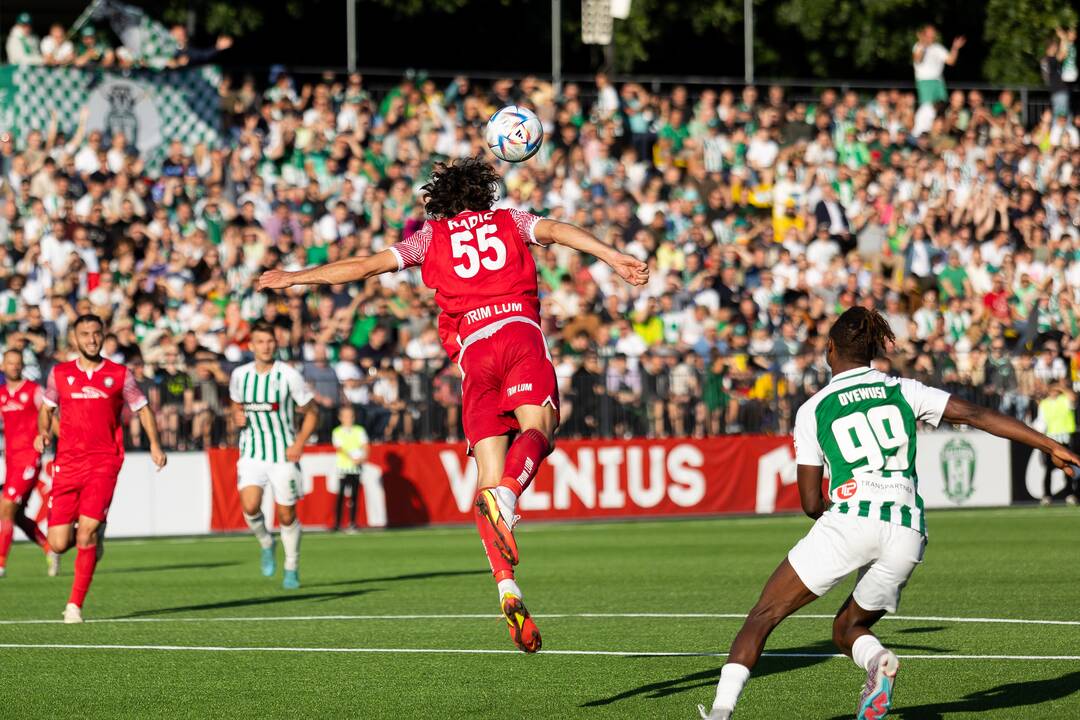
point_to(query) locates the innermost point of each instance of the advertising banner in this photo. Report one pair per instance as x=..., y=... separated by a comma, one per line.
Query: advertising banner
x=148, y=502
x=418, y=484
x=1028, y=473
x=435, y=483
x=963, y=469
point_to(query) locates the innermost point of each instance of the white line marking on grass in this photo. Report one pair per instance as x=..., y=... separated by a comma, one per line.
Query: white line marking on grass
x=487, y=651
x=588, y=616
x=578, y=524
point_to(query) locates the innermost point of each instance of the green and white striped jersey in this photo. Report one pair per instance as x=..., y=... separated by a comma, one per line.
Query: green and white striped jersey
x=861, y=426
x=269, y=401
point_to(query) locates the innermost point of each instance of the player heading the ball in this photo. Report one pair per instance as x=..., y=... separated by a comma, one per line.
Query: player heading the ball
x=478, y=261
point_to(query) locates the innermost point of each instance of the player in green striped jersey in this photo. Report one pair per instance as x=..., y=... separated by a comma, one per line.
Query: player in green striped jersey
x=267, y=395
x=861, y=426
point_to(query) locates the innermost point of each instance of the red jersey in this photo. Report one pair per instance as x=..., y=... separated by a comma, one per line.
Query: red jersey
x=91, y=404
x=19, y=407
x=481, y=269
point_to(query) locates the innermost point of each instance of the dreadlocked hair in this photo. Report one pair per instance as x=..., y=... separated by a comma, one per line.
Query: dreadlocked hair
x=860, y=335
x=466, y=184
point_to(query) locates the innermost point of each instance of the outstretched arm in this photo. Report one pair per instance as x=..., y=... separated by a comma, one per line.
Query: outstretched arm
x=628, y=267
x=962, y=412
x=335, y=273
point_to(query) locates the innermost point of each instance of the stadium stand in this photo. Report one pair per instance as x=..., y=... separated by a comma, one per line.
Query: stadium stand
x=762, y=216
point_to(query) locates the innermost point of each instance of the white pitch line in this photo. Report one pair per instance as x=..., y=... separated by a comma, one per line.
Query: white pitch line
x=485, y=651
x=488, y=616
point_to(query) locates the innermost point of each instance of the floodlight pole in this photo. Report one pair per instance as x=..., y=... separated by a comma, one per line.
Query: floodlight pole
x=556, y=45
x=748, y=41
x=350, y=33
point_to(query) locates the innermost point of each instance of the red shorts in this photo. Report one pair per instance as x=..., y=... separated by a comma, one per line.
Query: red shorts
x=20, y=476
x=87, y=491
x=501, y=373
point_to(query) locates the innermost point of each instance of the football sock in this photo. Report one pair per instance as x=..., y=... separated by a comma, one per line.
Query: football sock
x=28, y=526
x=523, y=461
x=864, y=650
x=508, y=586
x=732, y=679
x=500, y=567
x=85, y=562
x=7, y=531
x=257, y=523
x=290, y=541
x=41, y=539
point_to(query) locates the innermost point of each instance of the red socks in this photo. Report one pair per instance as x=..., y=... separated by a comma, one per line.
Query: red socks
x=7, y=531
x=523, y=460
x=500, y=566
x=85, y=562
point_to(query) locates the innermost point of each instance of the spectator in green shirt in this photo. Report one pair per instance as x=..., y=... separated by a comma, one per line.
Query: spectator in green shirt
x=953, y=279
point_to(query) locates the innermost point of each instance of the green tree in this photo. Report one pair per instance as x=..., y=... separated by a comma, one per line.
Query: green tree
x=650, y=20
x=865, y=36
x=226, y=17
x=1016, y=32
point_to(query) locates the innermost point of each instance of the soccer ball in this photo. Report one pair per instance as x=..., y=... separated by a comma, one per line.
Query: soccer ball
x=514, y=133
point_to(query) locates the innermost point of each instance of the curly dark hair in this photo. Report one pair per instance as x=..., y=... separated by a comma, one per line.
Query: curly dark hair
x=860, y=335
x=466, y=184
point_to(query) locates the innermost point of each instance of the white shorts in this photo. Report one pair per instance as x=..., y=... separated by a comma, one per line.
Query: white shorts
x=282, y=477
x=885, y=554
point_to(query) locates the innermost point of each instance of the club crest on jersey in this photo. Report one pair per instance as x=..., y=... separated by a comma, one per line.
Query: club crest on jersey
x=108, y=382
x=847, y=490
x=23, y=397
x=71, y=380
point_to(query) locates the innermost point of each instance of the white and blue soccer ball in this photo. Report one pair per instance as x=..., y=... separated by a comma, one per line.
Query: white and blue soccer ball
x=514, y=133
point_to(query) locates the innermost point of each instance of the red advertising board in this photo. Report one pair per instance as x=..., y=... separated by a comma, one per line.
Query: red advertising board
x=422, y=483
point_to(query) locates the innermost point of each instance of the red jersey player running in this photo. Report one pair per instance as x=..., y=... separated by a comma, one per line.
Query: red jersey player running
x=90, y=393
x=19, y=403
x=479, y=264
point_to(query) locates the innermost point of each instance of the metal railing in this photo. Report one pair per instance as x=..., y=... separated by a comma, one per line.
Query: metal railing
x=682, y=400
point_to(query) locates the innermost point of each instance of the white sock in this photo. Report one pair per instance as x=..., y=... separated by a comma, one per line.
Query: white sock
x=733, y=677
x=290, y=540
x=864, y=650
x=508, y=586
x=507, y=496
x=257, y=523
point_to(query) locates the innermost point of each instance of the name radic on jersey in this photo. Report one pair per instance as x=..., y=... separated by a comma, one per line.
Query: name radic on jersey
x=481, y=269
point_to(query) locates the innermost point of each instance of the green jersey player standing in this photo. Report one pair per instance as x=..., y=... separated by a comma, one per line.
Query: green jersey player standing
x=862, y=427
x=267, y=395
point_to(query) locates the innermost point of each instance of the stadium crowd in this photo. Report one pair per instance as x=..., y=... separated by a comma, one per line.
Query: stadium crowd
x=761, y=217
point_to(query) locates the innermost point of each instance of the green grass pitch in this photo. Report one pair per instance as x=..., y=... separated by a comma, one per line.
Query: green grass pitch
x=591, y=588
